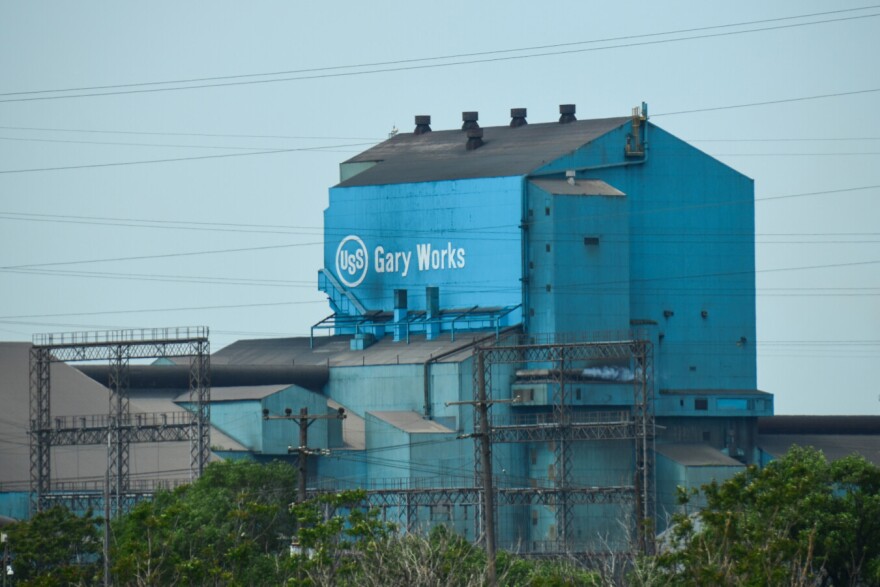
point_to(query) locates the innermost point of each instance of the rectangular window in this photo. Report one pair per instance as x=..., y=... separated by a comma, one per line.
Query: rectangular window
x=701, y=403
x=591, y=240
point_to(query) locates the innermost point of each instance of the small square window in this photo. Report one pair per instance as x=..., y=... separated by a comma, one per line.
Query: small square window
x=591, y=240
x=701, y=403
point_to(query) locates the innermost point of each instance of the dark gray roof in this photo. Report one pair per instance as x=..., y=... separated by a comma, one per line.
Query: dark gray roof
x=441, y=155
x=74, y=394
x=819, y=425
x=697, y=455
x=411, y=422
x=335, y=351
x=833, y=446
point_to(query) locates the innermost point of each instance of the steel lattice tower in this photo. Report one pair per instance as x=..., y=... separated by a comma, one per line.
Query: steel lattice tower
x=118, y=429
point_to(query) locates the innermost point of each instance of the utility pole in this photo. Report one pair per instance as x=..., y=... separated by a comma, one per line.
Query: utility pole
x=303, y=420
x=482, y=405
x=107, y=516
x=488, y=488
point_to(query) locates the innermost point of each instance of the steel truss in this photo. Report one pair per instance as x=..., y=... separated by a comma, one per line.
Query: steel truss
x=118, y=429
x=563, y=427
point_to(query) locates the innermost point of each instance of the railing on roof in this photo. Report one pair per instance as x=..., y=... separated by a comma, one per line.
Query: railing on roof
x=121, y=336
x=135, y=420
x=450, y=320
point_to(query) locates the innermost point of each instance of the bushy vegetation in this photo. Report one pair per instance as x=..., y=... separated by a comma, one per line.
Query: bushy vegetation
x=798, y=521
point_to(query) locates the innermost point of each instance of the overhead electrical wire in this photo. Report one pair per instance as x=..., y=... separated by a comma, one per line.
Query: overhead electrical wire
x=342, y=230
x=176, y=159
x=422, y=63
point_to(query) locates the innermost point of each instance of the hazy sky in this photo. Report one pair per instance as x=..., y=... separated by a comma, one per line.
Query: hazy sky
x=229, y=236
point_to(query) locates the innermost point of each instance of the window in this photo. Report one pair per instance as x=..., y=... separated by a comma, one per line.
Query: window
x=701, y=403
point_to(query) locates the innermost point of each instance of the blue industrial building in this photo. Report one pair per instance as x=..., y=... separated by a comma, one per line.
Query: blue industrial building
x=591, y=281
x=566, y=233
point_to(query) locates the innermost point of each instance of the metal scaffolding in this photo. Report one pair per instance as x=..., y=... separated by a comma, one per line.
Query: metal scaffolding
x=118, y=429
x=563, y=427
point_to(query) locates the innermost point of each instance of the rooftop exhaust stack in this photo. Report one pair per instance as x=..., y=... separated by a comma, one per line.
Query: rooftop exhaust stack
x=423, y=124
x=474, y=139
x=566, y=113
x=469, y=120
x=517, y=117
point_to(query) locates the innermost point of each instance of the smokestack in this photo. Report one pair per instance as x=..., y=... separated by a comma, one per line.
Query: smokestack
x=469, y=120
x=474, y=139
x=423, y=124
x=517, y=117
x=566, y=113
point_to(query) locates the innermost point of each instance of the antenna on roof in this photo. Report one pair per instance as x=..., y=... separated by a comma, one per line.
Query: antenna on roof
x=393, y=131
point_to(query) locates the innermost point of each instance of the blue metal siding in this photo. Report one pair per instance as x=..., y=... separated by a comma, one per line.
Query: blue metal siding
x=692, y=251
x=378, y=387
x=575, y=286
x=469, y=226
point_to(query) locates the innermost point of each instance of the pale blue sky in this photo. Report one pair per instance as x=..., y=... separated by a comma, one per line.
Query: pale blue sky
x=818, y=255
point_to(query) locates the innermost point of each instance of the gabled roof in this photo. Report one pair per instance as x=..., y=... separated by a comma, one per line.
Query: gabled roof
x=441, y=155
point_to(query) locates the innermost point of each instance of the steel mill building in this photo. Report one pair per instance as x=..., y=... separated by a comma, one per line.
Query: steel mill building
x=541, y=328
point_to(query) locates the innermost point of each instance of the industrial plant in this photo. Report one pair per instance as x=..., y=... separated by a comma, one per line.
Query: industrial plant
x=536, y=332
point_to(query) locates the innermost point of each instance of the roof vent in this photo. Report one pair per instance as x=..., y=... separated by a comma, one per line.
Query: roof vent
x=423, y=124
x=517, y=117
x=474, y=138
x=469, y=120
x=566, y=113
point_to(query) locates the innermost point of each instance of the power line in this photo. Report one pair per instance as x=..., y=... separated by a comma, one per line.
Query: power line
x=768, y=102
x=128, y=144
x=185, y=134
x=176, y=159
x=319, y=73
x=163, y=256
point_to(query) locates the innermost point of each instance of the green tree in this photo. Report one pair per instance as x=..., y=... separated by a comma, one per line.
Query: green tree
x=56, y=547
x=798, y=521
x=233, y=526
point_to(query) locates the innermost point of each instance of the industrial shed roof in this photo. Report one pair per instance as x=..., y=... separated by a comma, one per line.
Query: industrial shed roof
x=74, y=394
x=233, y=394
x=441, y=155
x=697, y=455
x=580, y=187
x=411, y=422
x=354, y=428
x=833, y=446
x=334, y=351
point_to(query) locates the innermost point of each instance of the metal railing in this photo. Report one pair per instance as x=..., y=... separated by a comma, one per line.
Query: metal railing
x=121, y=336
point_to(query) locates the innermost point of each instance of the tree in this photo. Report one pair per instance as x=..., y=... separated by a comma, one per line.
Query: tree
x=56, y=547
x=798, y=521
x=232, y=527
